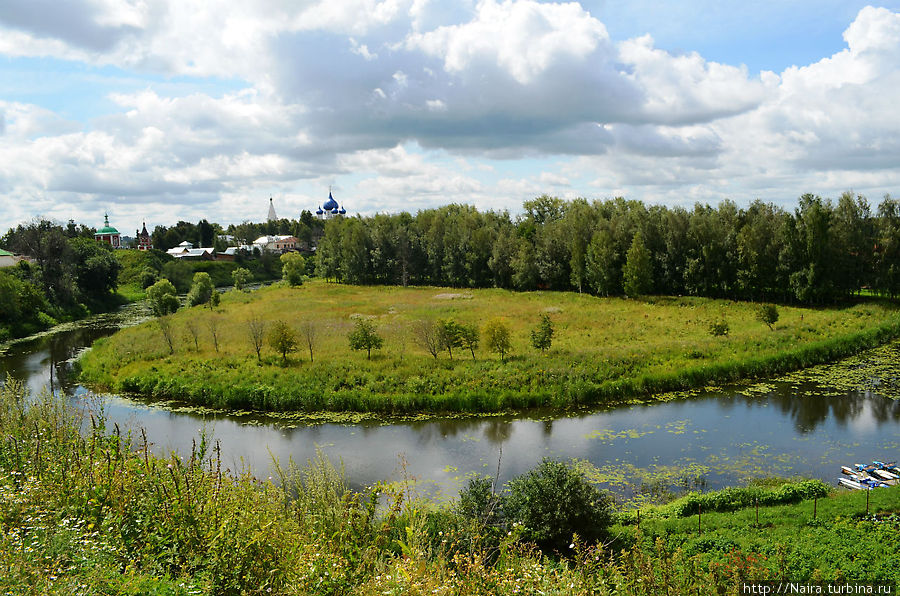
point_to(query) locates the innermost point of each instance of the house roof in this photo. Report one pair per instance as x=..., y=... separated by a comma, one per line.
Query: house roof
x=5, y=253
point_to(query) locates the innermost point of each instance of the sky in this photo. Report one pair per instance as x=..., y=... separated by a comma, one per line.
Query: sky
x=164, y=110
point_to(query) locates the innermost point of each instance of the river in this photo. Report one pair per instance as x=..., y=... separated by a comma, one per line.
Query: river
x=709, y=440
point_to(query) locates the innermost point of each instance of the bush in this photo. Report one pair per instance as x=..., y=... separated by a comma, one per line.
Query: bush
x=293, y=268
x=555, y=501
x=718, y=328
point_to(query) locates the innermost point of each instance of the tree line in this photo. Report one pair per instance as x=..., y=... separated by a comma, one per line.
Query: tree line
x=819, y=252
x=69, y=275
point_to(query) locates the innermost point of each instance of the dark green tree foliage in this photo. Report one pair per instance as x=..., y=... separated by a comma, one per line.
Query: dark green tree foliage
x=887, y=254
x=542, y=335
x=202, y=289
x=365, y=337
x=813, y=279
x=555, y=501
x=637, y=276
x=180, y=273
x=162, y=298
x=96, y=268
x=601, y=269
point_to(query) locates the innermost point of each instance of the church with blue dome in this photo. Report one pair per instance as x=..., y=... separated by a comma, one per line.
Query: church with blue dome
x=330, y=208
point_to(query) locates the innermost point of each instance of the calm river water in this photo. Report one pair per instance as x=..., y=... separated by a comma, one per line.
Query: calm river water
x=709, y=440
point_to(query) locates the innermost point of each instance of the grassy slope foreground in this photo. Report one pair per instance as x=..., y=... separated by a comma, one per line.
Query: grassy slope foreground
x=85, y=514
x=604, y=349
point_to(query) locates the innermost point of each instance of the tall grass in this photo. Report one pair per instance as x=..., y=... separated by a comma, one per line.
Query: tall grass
x=604, y=350
x=98, y=511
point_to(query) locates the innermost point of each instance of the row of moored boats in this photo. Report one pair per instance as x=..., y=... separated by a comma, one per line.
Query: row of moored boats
x=866, y=477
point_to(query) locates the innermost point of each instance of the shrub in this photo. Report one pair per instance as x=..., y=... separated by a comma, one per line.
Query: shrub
x=555, y=501
x=718, y=328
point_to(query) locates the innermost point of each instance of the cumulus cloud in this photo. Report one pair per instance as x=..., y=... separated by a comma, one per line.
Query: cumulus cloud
x=392, y=93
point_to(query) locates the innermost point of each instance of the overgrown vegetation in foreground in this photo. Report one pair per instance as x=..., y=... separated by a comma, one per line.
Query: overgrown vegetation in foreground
x=603, y=350
x=100, y=513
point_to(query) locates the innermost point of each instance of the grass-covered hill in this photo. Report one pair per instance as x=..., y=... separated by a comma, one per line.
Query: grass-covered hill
x=603, y=349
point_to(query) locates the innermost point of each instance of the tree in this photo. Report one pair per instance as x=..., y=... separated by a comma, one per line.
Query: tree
x=542, y=335
x=448, y=335
x=365, y=337
x=179, y=273
x=283, y=339
x=555, y=501
x=309, y=331
x=213, y=324
x=201, y=290
x=256, y=332
x=96, y=267
x=162, y=298
x=293, y=268
x=426, y=334
x=768, y=314
x=601, y=272
x=496, y=338
x=468, y=338
x=165, y=326
x=194, y=331
x=637, y=275
x=241, y=277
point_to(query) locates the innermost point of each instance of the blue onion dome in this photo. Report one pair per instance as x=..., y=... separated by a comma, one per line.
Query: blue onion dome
x=342, y=211
x=334, y=211
x=319, y=211
x=330, y=204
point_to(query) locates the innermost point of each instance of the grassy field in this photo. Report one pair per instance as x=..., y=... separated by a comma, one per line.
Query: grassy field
x=100, y=512
x=605, y=350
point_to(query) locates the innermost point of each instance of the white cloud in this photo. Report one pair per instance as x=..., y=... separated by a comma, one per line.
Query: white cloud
x=388, y=97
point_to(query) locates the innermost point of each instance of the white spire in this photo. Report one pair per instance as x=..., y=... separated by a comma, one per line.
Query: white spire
x=272, y=216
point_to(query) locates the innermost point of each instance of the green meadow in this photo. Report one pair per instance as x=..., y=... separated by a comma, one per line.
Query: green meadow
x=604, y=350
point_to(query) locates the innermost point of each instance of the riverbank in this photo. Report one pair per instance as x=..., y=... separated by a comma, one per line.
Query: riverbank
x=102, y=512
x=604, y=350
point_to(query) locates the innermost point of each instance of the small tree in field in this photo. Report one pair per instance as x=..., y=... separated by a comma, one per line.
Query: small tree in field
x=309, y=331
x=365, y=337
x=241, y=277
x=449, y=335
x=427, y=336
x=468, y=338
x=282, y=339
x=542, y=335
x=497, y=339
x=256, y=331
x=768, y=314
x=165, y=326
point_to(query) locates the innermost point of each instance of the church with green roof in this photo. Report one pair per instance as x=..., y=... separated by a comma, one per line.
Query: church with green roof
x=108, y=234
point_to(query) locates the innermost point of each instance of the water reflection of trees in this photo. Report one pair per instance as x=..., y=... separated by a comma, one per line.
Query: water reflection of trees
x=810, y=410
